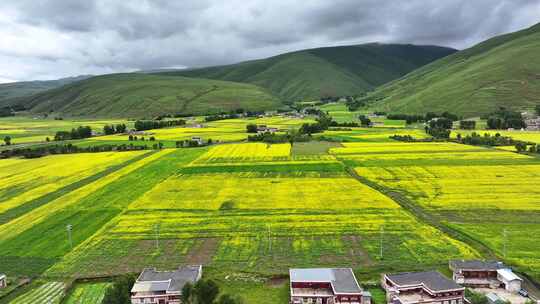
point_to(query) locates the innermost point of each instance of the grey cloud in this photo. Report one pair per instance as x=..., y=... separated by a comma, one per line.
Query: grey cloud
x=103, y=36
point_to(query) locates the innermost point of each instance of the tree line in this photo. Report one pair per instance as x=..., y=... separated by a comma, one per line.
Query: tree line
x=112, y=129
x=75, y=133
x=142, y=125
x=69, y=148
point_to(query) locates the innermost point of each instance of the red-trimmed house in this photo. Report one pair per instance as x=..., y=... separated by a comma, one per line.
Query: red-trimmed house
x=421, y=287
x=163, y=287
x=326, y=286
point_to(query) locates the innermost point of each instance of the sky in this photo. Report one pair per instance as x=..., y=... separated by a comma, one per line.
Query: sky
x=50, y=39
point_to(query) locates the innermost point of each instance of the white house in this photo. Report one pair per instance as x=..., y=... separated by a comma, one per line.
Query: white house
x=3, y=280
x=509, y=279
x=163, y=287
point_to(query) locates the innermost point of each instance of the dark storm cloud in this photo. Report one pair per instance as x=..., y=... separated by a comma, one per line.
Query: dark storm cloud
x=53, y=38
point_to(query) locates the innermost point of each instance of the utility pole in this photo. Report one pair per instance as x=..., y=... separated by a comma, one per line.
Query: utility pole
x=269, y=240
x=156, y=231
x=69, y=228
x=505, y=240
x=381, y=242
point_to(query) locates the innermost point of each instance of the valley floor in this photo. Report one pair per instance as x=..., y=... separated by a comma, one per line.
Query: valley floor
x=250, y=211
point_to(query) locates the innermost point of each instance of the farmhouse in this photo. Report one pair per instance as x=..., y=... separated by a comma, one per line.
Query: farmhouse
x=509, y=279
x=266, y=129
x=197, y=139
x=3, y=280
x=326, y=286
x=476, y=273
x=421, y=287
x=163, y=287
x=533, y=124
x=492, y=274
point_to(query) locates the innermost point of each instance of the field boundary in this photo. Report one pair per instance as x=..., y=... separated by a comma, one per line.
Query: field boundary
x=424, y=216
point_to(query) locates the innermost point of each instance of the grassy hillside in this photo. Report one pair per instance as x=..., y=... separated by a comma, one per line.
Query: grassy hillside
x=10, y=92
x=140, y=95
x=330, y=71
x=502, y=71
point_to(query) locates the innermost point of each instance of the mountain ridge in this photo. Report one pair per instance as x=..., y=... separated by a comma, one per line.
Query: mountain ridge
x=499, y=72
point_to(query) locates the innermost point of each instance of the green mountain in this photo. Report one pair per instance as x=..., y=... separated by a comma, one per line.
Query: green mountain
x=141, y=95
x=10, y=92
x=502, y=71
x=330, y=71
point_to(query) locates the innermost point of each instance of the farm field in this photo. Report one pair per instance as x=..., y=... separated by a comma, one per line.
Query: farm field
x=530, y=136
x=49, y=292
x=373, y=135
x=248, y=211
x=27, y=129
x=88, y=293
x=481, y=197
x=229, y=130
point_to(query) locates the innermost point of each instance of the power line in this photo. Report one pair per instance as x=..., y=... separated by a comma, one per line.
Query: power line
x=156, y=232
x=69, y=228
x=381, y=241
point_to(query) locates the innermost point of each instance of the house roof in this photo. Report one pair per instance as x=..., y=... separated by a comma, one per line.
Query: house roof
x=508, y=275
x=475, y=265
x=431, y=279
x=169, y=281
x=2, y=276
x=342, y=280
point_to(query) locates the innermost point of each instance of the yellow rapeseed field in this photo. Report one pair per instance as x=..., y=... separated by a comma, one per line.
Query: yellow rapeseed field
x=399, y=147
x=464, y=187
x=237, y=191
x=36, y=177
x=246, y=152
x=37, y=215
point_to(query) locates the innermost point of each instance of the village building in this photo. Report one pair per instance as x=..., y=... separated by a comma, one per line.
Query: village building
x=421, y=287
x=3, y=280
x=476, y=273
x=326, y=286
x=163, y=287
x=533, y=124
x=509, y=280
x=487, y=274
x=265, y=129
x=198, y=140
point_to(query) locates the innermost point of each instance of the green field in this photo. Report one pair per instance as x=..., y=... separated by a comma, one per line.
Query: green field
x=88, y=293
x=249, y=211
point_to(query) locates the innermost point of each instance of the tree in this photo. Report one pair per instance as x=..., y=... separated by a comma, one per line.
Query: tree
x=251, y=128
x=187, y=293
x=494, y=123
x=7, y=140
x=366, y=122
x=467, y=124
x=120, y=292
x=120, y=128
x=537, y=109
x=206, y=291
x=228, y=299
x=108, y=130
x=521, y=147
